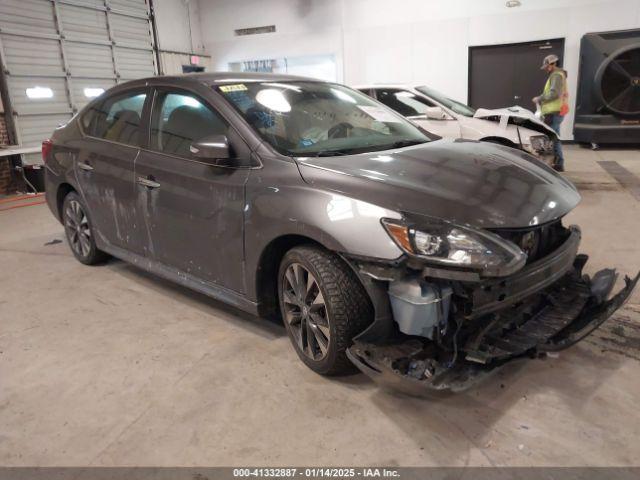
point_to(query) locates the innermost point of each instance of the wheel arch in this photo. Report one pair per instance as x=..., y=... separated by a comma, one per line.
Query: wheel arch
x=268, y=264
x=63, y=190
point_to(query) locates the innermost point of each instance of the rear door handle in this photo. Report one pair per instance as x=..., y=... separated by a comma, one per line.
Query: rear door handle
x=85, y=166
x=148, y=182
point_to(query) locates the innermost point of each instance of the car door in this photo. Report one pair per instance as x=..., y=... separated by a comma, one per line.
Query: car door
x=192, y=210
x=414, y=107
x=104, y=166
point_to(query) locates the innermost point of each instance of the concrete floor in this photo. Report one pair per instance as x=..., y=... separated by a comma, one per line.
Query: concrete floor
x=110, y=366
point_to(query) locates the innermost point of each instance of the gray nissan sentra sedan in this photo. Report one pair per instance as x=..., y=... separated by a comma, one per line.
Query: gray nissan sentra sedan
x=426, y=263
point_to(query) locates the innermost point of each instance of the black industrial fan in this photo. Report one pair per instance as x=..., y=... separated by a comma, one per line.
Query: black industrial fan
x=618, y=80
x=608, y=103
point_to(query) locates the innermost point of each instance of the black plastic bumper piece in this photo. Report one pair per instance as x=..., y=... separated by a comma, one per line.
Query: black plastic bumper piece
x=575, y=310
x=498, y=293
x=379, y=362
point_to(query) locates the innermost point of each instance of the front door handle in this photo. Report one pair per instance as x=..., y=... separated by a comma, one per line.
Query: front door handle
x=148, y=182
x=85, y=166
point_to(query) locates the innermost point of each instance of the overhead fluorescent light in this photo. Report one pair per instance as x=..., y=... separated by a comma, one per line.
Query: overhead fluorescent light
x=92, y=92
x=39, y=92
x=513, y=3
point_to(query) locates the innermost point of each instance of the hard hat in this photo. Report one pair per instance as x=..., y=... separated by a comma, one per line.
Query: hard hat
x=548, y=60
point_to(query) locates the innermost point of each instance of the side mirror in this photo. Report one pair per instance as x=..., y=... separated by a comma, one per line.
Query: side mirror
x=436, y=113
x=211, y=149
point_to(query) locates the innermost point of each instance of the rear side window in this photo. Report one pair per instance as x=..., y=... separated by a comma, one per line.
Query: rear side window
x=404, y=102
x=180, y=119
x=117, y=118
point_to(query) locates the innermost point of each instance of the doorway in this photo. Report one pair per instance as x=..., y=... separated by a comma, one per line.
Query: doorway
x=507, y=75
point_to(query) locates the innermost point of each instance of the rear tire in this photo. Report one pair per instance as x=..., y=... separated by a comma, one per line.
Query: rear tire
x=79, y=231
x=323, y=306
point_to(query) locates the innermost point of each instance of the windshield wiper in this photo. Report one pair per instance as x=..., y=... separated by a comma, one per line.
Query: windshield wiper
x=405, y=143
x=399, y=144
x=364, y=149
x=329, y=153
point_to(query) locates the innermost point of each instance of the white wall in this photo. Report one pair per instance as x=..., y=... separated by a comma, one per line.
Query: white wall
x=408, y=41
x=304, y=28
x=178, y=25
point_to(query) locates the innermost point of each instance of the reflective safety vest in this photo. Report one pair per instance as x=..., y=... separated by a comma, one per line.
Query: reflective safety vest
x=553, y=106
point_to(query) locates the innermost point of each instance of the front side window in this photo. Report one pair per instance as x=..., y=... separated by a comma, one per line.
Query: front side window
x=404, y=102
x=319, y=119
x=117, y=118
x=180, y=120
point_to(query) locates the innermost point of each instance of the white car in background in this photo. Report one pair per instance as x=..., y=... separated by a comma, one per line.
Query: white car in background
x=516, y=127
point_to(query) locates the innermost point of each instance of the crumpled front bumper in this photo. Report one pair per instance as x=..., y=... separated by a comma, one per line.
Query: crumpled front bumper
x=545, y=153
x=547, y=157
x=575, y=305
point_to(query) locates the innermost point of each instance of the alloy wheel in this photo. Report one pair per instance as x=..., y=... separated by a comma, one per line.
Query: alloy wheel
x=305, y=311
x=77, y=227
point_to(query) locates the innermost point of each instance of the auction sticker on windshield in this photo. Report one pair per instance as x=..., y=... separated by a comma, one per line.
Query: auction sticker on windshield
x=238, y=87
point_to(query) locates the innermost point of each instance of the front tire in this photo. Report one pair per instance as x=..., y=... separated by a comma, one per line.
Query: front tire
x=79, y=231
x=323, y=307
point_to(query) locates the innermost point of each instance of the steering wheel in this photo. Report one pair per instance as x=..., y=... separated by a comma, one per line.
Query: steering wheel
x=341, y=130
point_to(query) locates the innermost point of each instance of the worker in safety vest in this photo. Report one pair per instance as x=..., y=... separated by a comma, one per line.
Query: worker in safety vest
x=554, y=103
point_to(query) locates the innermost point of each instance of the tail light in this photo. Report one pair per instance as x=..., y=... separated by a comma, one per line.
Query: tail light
x=47, y=146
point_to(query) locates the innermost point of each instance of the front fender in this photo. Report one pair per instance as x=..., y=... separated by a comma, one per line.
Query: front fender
x=280, y=203
x=338, y=222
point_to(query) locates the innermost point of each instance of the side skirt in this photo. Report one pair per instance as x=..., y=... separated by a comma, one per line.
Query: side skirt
x=209, y=289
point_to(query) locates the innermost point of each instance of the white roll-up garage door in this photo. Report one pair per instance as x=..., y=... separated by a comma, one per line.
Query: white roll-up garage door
x=58, y=54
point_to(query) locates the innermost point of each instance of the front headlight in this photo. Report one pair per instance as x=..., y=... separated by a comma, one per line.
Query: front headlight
x=442, y=243
x=541, y=143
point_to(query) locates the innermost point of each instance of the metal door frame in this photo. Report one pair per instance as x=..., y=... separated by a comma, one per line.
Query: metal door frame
x=473, y=48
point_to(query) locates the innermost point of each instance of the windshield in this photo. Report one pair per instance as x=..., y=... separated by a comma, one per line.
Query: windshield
x=406, y=103
x=319, y=119
x=459, y=108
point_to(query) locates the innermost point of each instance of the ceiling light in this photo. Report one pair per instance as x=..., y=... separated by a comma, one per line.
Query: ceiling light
x=513, y=3
x=39, y=92
x=92, y=92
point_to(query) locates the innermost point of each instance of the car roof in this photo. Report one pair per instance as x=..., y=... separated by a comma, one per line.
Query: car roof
x=220, y=78
x=208, y=79
x=383, y=85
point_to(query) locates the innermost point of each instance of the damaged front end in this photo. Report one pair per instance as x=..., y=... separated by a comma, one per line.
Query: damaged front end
x=439, y=328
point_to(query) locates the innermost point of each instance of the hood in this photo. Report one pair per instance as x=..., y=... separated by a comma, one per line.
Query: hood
x=465, y=182
x=517, y=116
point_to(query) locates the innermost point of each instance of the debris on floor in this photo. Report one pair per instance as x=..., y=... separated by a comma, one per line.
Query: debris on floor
x=620, y=335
